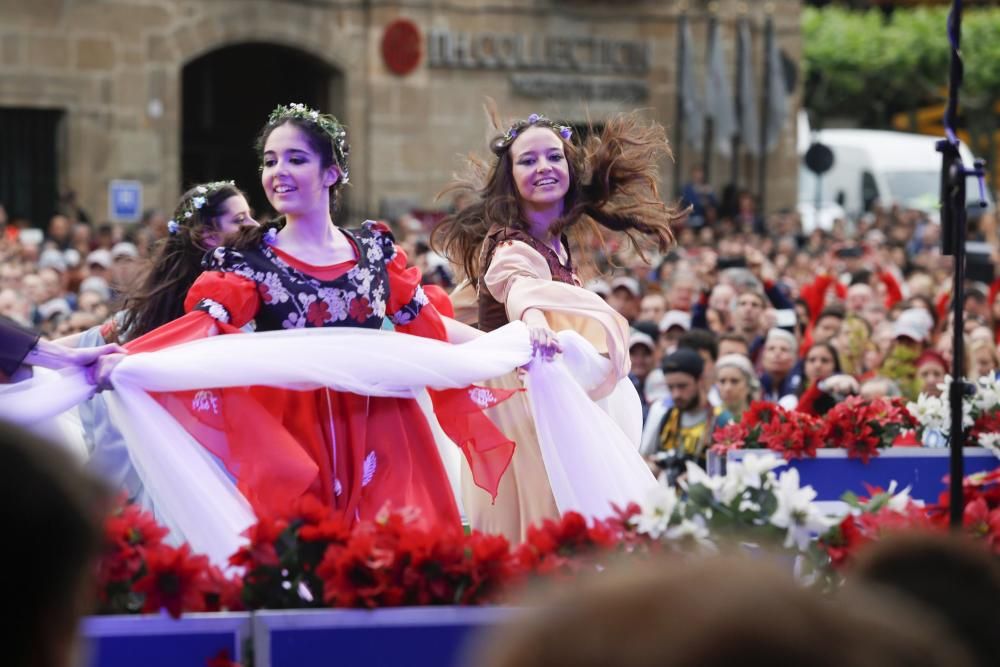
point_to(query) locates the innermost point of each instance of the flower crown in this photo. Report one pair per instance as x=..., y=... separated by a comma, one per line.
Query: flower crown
x=564, y=131
x=188, y=207
x=326, y=122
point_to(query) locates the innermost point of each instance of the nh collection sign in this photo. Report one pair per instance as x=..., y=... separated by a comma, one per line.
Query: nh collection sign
x=556, y=55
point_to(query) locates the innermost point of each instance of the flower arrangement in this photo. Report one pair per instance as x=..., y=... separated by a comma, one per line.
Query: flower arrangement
x=858, y=425
x=980, y=415
x=871, y=518
x=313, y=558
x=862, y=427
x=139, y=573
x=769, y=426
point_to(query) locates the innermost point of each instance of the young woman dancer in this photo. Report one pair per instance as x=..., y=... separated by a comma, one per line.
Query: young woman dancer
x=514, y=243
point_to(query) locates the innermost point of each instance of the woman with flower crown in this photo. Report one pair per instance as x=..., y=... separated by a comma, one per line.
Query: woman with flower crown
x=358, y=453
x=206, y=216
x=513, y=243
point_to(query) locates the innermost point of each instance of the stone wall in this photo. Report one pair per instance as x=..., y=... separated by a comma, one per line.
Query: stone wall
x=115, y=67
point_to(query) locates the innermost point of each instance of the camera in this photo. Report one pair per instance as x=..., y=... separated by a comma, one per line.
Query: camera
x=673, y=463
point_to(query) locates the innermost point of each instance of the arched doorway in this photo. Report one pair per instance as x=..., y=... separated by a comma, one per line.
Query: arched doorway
x=226, y=97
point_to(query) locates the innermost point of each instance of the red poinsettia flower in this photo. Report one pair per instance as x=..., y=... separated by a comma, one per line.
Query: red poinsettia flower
x=175, y=580
x=762, y=412
x=731, y=436
x=361, y=309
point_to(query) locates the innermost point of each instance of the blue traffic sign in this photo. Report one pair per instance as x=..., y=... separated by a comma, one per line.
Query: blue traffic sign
x=124, y=201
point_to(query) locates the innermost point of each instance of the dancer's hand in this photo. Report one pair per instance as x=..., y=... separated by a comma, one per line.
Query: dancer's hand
x=52, y=355
x=544, y=343
x=99, y=373
x=86, y=356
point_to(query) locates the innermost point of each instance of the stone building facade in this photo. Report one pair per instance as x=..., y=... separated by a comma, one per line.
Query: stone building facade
x=134, y=80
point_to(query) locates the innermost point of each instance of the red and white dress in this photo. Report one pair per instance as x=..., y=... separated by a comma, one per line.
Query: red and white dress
x=356, y=453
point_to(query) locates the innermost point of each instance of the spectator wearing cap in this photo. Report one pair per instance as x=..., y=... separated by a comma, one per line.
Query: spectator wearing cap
x=778, y=383
x=687, y=425
x=625, y=297
x=913, y=327
x=642, y=353
x=673, y=325
x=95, y=297
x=125, y=266
x=599, y=287
x=99, y=263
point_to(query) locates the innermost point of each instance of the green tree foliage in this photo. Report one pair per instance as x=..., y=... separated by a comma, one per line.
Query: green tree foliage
x=859, y=65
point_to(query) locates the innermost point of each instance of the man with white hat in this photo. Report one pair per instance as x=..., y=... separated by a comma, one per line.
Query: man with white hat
x=673, y=325
x=642, y=353
x=625, y=297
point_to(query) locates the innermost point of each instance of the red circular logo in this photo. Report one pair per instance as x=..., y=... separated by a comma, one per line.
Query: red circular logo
x=401, y=46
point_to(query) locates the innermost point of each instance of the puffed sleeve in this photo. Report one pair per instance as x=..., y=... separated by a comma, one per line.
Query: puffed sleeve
x=227, y=297
x=408, y=306
x=216, y=300
x=519, y=277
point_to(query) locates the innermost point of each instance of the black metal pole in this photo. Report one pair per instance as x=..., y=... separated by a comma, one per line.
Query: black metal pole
x=953, y=175
x=765, y=117
x=679, y=122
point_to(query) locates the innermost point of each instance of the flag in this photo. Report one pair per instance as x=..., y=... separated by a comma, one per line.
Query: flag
x=777, y=92
x=718, y=94
x=694, y=122
x=749, y=123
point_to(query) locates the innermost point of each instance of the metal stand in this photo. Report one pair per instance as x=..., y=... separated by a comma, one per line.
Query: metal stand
x=953, y=233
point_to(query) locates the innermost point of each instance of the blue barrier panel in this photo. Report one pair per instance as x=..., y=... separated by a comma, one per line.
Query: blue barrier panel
x=161, y=641
x=404, y=637
x=832, y=473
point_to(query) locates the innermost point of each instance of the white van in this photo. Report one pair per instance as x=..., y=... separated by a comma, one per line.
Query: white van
x=893, y=168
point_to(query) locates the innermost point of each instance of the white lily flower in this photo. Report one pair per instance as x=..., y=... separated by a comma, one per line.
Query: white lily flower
x=796, y=511
x=657, y=509
x=696, y=475
x=754, y=468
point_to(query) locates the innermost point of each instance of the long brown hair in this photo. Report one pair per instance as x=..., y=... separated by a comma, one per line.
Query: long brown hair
x=176, y=263
x=613, y=185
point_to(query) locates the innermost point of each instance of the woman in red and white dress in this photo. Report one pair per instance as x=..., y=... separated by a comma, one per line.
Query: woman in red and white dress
x=357, y=453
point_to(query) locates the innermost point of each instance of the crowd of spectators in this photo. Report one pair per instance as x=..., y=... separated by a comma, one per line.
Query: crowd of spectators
x=773, y=312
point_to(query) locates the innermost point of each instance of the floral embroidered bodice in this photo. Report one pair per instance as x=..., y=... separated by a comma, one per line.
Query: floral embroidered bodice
x=291, y=299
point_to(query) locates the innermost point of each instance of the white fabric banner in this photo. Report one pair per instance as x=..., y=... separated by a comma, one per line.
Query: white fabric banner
x=591, y=457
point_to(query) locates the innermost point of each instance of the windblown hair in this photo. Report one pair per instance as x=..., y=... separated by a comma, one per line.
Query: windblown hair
x=613, y=185
x=176, y=263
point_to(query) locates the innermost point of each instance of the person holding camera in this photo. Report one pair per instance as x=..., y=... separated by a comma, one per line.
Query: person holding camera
x=685, y=431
